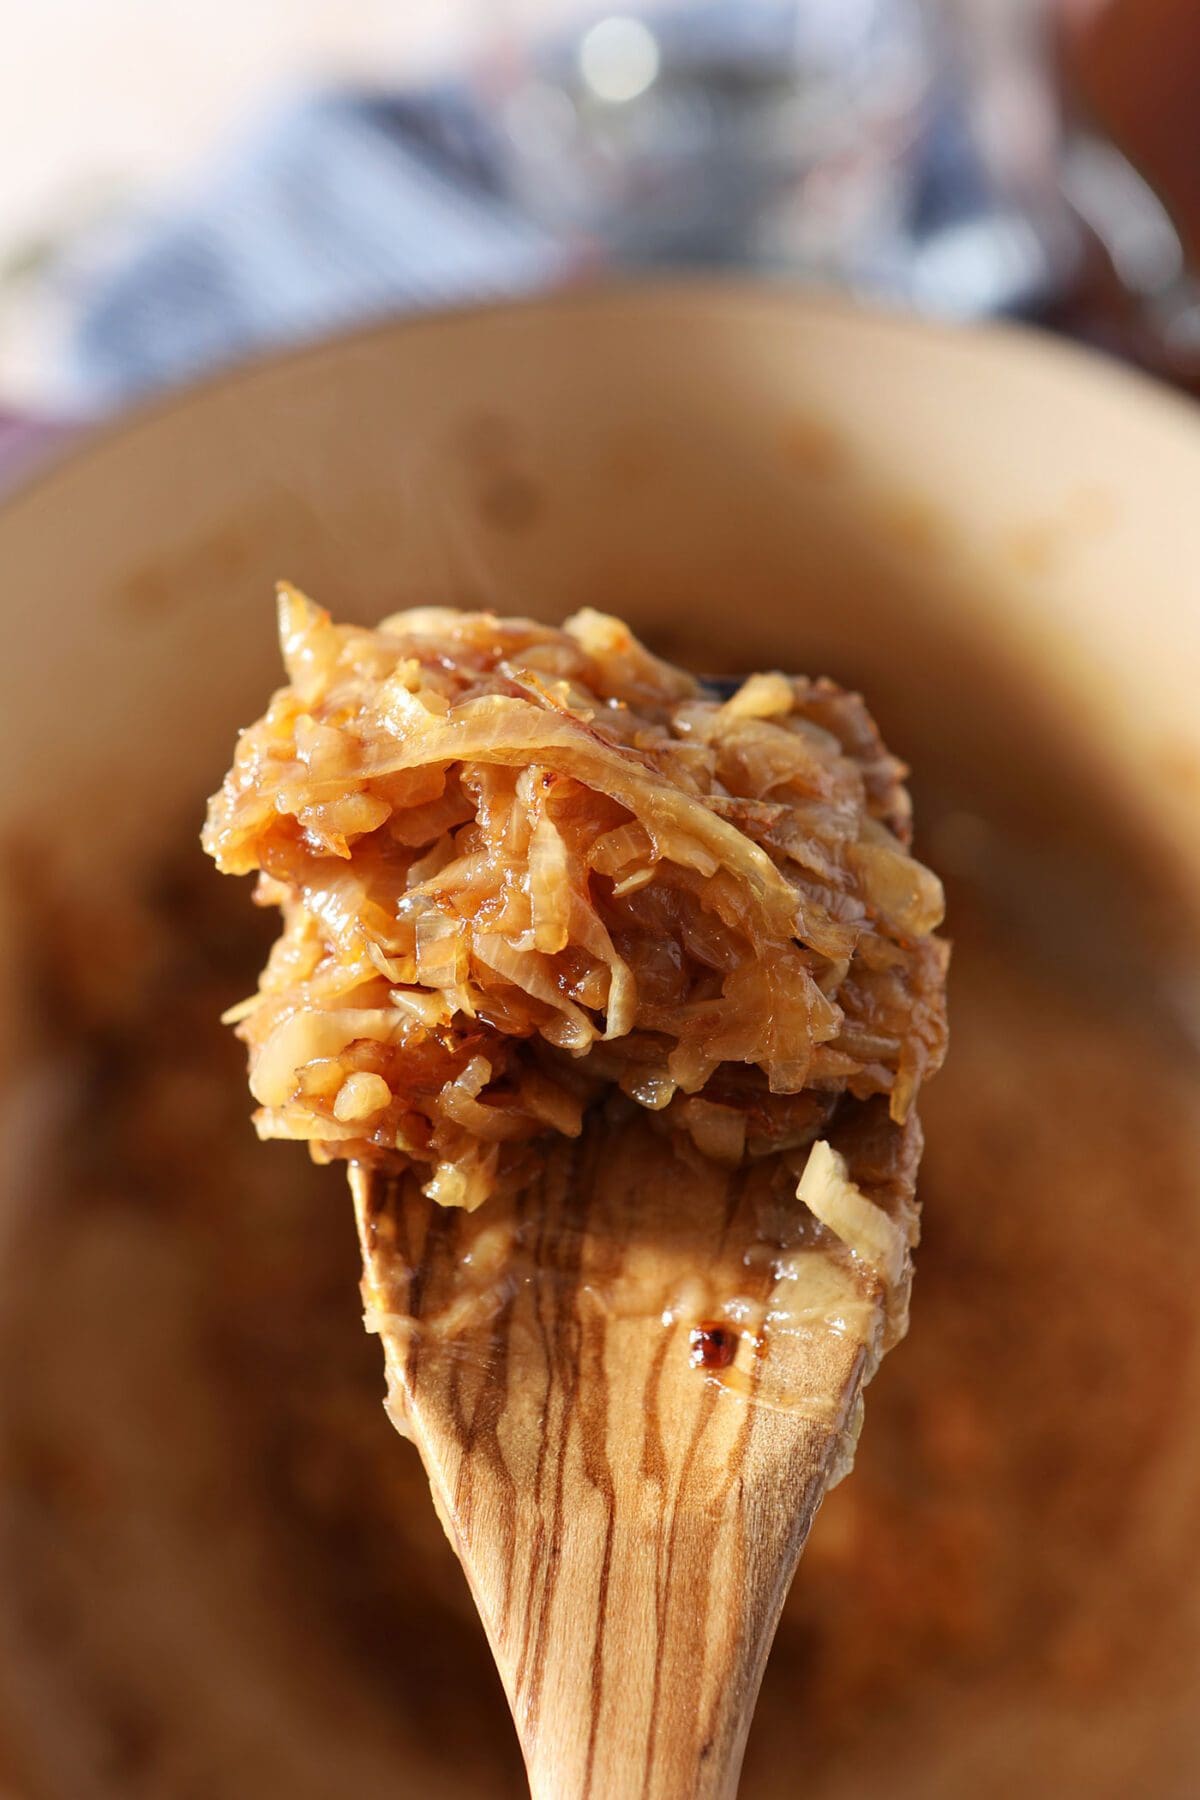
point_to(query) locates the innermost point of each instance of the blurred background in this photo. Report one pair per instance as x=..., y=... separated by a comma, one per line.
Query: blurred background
x=183, y=184
x=219, y=1571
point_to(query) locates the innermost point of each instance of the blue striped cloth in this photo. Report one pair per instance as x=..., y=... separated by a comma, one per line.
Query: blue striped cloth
x=343, y=207
x=338, y=209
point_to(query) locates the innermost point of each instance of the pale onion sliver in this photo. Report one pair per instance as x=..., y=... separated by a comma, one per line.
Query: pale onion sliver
x=303, y=1037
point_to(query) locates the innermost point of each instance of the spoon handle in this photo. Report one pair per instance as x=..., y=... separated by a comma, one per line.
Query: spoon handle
x=628, y=1488
x=636, y=1643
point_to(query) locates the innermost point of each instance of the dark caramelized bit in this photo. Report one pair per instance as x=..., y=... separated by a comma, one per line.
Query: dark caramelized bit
x=712, y=1347
x=519, y=867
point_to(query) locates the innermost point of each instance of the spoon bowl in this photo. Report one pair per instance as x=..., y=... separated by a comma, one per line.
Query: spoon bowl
x=631, y=1386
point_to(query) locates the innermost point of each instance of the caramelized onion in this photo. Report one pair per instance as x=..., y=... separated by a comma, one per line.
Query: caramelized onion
x=520, y=867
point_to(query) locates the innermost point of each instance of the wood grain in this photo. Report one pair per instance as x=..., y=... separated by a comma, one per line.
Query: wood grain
x=629, y=1522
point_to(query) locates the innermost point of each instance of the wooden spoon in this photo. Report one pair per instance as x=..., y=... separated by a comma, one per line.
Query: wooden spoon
x=631, y=1387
